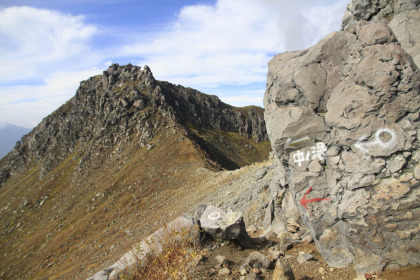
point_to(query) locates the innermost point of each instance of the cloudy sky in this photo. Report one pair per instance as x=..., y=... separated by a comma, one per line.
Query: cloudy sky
x=216, y=46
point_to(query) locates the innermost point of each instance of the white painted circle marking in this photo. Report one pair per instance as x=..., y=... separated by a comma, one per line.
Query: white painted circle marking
x=214, y=216
x=379, y=141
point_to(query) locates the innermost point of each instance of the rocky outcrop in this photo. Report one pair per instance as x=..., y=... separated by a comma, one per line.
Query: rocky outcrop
x=207, y=111
x=124, y=101
x=378, y=10
x=225, y=226
x=402, y=16
x=343, y=120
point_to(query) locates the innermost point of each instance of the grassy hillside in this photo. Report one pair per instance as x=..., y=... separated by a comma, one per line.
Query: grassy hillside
x=72, y=222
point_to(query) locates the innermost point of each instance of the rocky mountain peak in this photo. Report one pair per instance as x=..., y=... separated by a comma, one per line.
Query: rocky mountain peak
x=125, y=101
x=121, y=74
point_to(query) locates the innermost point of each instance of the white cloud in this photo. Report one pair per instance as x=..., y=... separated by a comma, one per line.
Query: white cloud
x=231, y=42
x=35, y=42
x=323, y=20
x=213, y=45
x=27, y=105
x=243, y=100
x=45, y=54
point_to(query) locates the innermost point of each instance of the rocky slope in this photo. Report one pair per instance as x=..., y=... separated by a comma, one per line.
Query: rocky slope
x=114, y=163
x=343, y=119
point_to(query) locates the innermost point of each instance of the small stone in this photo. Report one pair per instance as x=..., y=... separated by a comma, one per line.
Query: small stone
x=197, y=259
x=243, y=271
x=405, y=123
x=315, y=167
x=283, y=271
x=414, y=116
x=263, y=270
x=285, y=245
x=307, y=238
x=251, y=229
x=391, y=227
x=292, y=229
x=260, y=174
x=322, y=271
x=334, y=160
x=256, y=260
x=252, y=276
x=101, y=275
x=302, y=258
x=417, y=171
x=270, y=235
x=139, y=104
x=275, y=254
x=395, y=164
x=224, y=271
x=333, y=151
x=332, y=269
x=222, y=261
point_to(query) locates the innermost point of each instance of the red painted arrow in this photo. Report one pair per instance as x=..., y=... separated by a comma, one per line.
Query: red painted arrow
x=304, y=201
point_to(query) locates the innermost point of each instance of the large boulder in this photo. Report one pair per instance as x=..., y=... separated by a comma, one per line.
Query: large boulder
x=226, y=226
x=343, y=120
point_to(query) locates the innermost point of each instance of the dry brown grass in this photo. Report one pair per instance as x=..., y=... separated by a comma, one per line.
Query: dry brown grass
x=131, y=190
x=174, y=257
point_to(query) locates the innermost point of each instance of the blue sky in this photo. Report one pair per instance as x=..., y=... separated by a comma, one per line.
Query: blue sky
x=219, y=47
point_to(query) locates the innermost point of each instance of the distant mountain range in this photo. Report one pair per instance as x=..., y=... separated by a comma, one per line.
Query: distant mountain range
x=9, y=135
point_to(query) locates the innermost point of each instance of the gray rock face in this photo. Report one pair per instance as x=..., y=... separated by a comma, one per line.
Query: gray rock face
x=226, y=226
x=402, y=16
x=342, y=120
x=208, y=111
x=405, y=27
x=378, y=10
